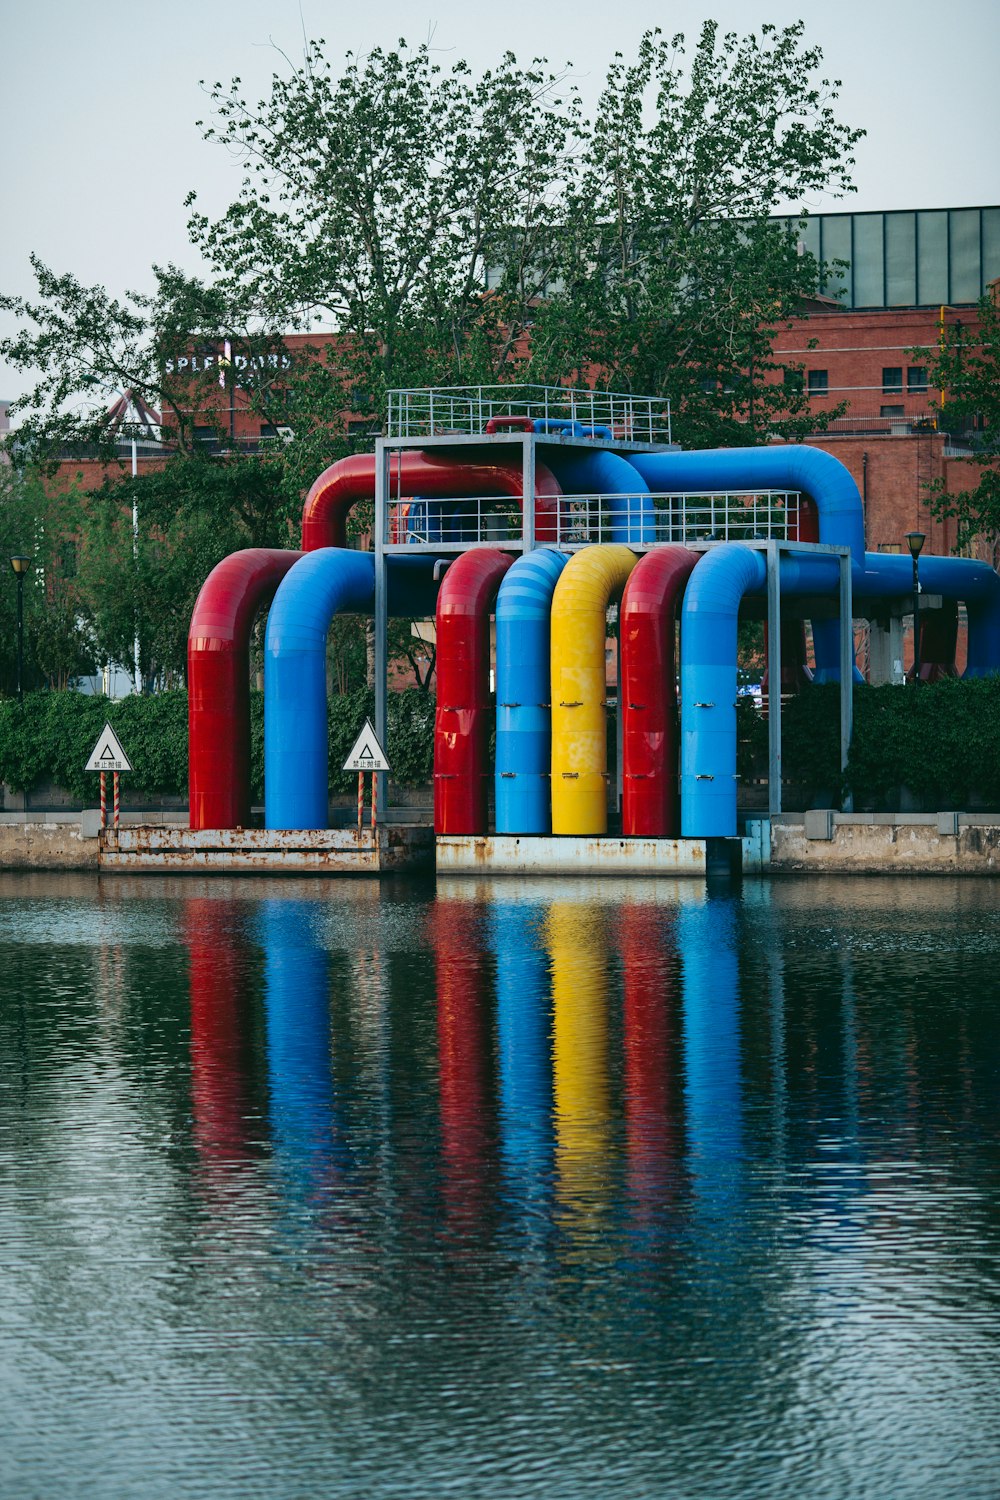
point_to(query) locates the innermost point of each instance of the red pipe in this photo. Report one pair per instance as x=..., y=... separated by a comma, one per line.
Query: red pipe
x=343, y=484
x=462, y=719
x=648, y=692
x=938, y=643
x=510, y=424
x=219, y=683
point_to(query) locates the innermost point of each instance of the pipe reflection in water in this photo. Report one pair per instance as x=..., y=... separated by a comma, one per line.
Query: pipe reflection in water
x=296, y=998
x=651, y=975
x=463, y=1062
x=713, y=1091
x=578, y=953
x=522, y=994
x=222, y=1095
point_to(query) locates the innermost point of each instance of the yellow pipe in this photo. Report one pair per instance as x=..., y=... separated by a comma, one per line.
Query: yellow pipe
x=590, y=581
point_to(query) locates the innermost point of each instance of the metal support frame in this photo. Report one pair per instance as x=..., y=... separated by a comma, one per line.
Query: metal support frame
x=528, y=492
x=381, y=787
x=773, y=550
x=774, y=681
x=846, y=669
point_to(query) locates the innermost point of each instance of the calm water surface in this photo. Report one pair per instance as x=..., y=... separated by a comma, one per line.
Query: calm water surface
x=509, y=1189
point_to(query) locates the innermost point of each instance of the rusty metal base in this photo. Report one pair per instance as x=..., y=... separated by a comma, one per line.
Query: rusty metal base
x=249, y=851
x=567, y=854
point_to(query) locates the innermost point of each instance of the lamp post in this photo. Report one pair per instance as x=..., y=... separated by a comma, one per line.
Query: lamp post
x=915, y=541
x=21, y=566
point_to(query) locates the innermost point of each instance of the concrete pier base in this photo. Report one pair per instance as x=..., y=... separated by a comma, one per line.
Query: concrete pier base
x=249, y=851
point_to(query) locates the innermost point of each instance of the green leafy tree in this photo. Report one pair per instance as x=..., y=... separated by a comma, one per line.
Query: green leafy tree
x=966, y=369
x=380, y=197
x=675, y=276
x=58, y=636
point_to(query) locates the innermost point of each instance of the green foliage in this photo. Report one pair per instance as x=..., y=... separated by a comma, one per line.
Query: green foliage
x=966, y=368
x=58, y=639
x=941, y=741
x=49, y=737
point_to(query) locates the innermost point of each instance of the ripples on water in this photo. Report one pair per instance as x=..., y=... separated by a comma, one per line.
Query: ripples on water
x=567, y=1190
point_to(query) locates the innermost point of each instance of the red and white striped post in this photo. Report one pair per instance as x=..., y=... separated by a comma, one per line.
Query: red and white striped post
x=104, y=800
x=361, y=802
x=117, y=799
x=374, y=803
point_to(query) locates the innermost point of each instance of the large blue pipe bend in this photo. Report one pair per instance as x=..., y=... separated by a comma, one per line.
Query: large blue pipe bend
x=600, y=472
x=524, y=714
x=790, y=467
x=296, y=773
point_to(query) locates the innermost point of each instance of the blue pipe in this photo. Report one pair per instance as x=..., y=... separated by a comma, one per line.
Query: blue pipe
x=524, y=715
x=790, y=467
x=321, y=584
x=600, y=472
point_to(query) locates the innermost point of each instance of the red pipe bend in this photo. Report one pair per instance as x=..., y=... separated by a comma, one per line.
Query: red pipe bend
x=462, y=719
x=648, y=692
x=219, y=683
x=343, y=484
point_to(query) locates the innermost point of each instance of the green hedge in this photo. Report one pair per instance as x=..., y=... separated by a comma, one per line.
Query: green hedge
x=48, y=738
x=942, y=741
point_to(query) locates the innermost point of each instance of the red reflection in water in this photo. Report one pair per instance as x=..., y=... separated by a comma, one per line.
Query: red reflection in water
x=463, y=1060
x=220, y=1086
x=652, y=1092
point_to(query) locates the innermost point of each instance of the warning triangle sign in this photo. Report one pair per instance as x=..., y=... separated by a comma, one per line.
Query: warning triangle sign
x=107, y=754
x=366, y=753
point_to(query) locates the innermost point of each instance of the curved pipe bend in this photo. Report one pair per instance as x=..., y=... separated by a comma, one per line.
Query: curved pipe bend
x=343, y=484
x=590, y=581
x=648, y=692
x=461, y=720
x=790, y=467
x=600, y=472
x=296, y=755
x=219, y=683
x=524, y=695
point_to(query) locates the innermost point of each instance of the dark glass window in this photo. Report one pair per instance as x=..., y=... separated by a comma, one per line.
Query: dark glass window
x=916, y=378
x=892, y=378
x=69, y=559
x=794, y=380
x=892, y=411
x=819, y=382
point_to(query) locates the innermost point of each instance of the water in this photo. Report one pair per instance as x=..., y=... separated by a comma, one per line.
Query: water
x=569, y=1189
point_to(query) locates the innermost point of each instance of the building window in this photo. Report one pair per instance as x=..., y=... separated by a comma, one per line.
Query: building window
x=68, y=559
x=794, y=381
x=892, y=379
x=916, y=378
x=892, y=411
x=819, y=382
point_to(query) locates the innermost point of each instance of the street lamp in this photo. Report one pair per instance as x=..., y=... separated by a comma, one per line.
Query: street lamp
x=21, y=566
x=915, y=541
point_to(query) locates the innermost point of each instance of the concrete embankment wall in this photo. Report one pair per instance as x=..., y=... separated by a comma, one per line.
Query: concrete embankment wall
x=832, y=843
x=58, y=840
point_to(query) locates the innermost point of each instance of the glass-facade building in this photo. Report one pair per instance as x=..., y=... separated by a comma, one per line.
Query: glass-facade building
x=922, y=257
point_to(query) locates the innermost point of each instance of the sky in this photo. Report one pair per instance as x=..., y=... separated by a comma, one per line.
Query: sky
x=99, y=102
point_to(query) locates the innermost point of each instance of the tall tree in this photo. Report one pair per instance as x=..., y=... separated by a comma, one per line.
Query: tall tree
x=380, y=197
x=675, y=274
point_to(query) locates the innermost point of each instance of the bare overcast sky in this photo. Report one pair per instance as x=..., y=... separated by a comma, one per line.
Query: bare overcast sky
x=98, y=101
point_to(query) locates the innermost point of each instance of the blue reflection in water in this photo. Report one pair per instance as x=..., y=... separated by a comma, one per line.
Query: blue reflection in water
x=713, y=1092
x=522, y=995
x=300, y=1077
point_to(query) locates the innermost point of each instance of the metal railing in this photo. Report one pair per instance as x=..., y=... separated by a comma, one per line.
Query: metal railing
x=574, y=521
x=467, y=411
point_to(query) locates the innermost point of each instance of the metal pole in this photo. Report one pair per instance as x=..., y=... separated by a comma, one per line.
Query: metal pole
x=916, y=624
x=528, y=492
x=20, y=638
x=135, y=552
x=382, y=455
x=774, y=681
x=846, y=669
